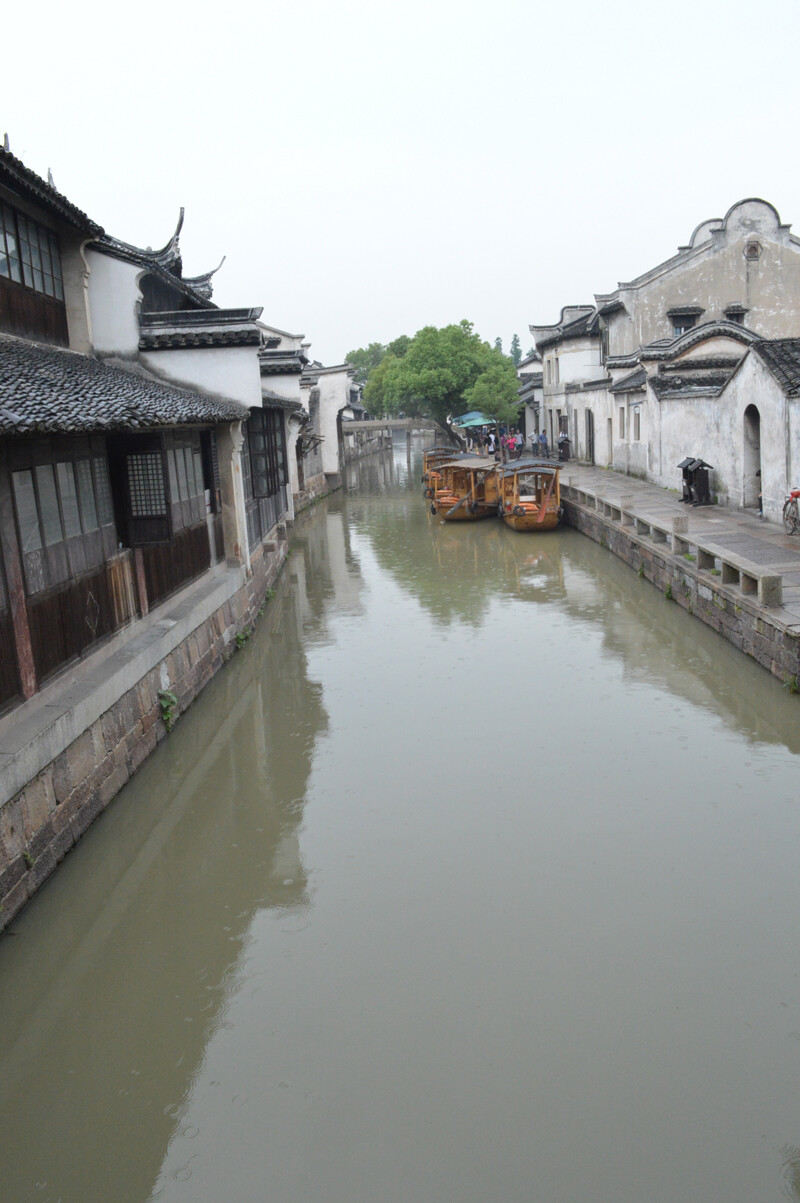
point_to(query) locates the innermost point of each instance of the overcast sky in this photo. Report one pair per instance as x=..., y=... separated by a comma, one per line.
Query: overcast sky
x=371, y=168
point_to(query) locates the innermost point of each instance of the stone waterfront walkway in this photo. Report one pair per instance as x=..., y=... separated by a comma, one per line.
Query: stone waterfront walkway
x=742, y=533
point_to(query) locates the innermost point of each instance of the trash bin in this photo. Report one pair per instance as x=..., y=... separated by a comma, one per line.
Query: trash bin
x=563, y=447
x=684, y=466
x=696, y=487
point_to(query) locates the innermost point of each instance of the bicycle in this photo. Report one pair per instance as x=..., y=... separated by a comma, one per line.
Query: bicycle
x=791, y=513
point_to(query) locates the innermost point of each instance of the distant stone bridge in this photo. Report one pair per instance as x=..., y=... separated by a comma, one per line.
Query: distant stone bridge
x=376, y=425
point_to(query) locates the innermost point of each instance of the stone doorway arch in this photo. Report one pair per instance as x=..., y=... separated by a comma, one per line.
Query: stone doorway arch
x=751, y=457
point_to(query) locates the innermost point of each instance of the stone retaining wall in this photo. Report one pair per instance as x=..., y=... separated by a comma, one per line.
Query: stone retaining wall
x=742, y=621
x=316, y=488
x=42, y=822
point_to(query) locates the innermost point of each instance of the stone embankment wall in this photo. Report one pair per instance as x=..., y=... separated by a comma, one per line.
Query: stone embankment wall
x=40, y=824
x=739, y=618
x=315, y=489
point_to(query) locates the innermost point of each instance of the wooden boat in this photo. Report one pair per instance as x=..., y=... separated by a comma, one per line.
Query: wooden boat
x=530, y=496
x=468, y=489
x=432, y=459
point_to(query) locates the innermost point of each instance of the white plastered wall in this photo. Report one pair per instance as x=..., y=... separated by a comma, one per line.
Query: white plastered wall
x=113, y=294
x=225, y=371
x=334, y=395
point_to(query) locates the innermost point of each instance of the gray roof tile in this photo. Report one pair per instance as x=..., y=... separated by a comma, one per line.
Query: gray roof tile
x=48, y=390
x=782, y=357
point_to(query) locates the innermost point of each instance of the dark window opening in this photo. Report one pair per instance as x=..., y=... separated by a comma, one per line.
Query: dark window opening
x=264, y=472
x=680, y=325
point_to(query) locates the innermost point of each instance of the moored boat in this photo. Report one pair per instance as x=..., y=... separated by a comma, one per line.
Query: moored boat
x=432, y=460
x=530, y=495
x=468, y=489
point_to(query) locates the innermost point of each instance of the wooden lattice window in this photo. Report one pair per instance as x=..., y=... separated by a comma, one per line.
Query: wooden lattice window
x=148, y=498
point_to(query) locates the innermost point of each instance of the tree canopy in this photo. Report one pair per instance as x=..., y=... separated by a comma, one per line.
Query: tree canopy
x=495, y=393
x=436, y=374
x=367, y=359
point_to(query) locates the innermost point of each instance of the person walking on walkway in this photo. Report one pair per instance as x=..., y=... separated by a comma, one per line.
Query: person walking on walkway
x=543, y=444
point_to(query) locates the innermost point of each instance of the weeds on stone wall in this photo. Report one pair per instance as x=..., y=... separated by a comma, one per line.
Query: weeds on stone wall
x=167, y=704
x=790, y=683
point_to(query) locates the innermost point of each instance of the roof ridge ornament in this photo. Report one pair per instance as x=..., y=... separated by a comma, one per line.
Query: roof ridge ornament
x=168, y=257
x=202, y=284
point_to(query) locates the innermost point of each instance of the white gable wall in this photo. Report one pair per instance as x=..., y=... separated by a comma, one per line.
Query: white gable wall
x=113, y=294
x=713, y=276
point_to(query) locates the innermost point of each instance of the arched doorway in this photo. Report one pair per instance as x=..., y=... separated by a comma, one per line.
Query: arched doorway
x=751, y=457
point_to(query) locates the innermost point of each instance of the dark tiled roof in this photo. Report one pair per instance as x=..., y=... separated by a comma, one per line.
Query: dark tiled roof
x=48, y=390
x=713, y=363
x=199, y=328
x=631, y=383
x=782, y=357
x=610, y=307
x=582, y=326
x=14, y=174
x=682, y=384
x=279, y=363
x=276, y=401
x=177, y=339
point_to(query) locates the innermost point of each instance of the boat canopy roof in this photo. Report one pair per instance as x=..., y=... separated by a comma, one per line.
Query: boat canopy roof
x=543, y=467
x=476, y=462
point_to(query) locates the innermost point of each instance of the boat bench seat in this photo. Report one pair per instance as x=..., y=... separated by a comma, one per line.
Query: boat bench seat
x=528, y=497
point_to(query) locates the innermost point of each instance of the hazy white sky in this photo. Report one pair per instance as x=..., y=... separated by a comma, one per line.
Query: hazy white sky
x=369, y=169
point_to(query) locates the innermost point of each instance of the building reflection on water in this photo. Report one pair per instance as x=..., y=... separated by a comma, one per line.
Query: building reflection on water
x=144, y=930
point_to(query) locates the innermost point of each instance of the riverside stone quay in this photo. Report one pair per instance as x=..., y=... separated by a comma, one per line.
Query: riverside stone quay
x=736, y=573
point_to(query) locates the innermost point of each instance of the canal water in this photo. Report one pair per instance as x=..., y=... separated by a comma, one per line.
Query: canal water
x=474, y=877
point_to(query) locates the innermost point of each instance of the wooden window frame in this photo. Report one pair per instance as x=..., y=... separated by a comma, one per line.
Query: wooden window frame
x=55, y=561
x=36, y=247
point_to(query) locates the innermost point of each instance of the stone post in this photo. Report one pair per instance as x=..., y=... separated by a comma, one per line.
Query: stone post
x=625, y=507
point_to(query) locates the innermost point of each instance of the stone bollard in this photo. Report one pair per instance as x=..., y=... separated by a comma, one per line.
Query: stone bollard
x=680, y=526
x=625, y=507
x=770, y=590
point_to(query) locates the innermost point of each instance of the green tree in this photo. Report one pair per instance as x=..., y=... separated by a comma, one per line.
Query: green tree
x=516, y=351
x=399, y=346
x=436, y=370
x=498, y=344
x=495, y=392
x=365, y=359
x=374, y=395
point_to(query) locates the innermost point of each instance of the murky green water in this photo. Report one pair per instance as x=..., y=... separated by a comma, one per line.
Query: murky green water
x=475, y=877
